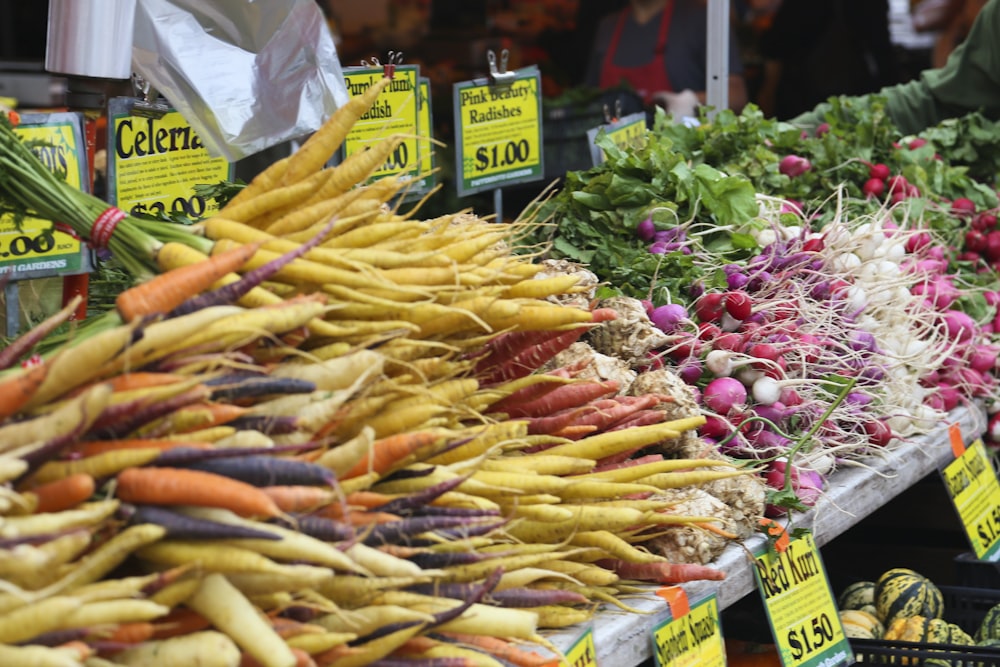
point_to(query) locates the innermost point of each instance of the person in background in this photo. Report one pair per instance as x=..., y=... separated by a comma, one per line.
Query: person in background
x=969, y=81
x=659, y=48
x=814, y=50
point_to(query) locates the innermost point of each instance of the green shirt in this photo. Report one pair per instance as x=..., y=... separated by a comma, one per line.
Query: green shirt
x=969, y=81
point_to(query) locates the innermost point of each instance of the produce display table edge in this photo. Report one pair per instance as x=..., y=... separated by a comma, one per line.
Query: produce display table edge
x=624, y=639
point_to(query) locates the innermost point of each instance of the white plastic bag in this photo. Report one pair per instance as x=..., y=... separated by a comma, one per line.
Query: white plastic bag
x=246, y=75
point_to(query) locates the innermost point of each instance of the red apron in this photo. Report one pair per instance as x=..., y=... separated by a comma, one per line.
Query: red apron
x=648, y=78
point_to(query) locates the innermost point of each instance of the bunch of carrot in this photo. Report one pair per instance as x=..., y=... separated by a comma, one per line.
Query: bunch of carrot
x=330, y=443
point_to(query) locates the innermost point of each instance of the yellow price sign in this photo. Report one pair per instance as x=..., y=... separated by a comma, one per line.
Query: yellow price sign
x=154, y=164
x=32, y=247
x=693, y=639
x=627, y=133
x=499, y=132
x=582, y=653
x=973, y=487
x=396, y=111
x=800, y=606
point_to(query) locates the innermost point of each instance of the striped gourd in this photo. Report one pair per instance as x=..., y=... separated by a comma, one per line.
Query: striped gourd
x=860, y=624
x=860, y=595
x=901, y=592
x=989, y=628
x=918, y=628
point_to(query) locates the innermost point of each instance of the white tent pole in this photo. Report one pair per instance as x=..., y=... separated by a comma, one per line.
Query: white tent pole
x=717, y=65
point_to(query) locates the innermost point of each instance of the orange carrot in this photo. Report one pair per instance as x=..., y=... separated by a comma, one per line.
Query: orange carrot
x=367, y=499
x=662, y=573
x=95, y=447
x=575, y=431
x=135, y=380
x=63, y=494
x=392, y=450
x=505, y=650
x=131, y=633
x=168, y=290
x=178, y=486
x=179, y=621
x=18, y=388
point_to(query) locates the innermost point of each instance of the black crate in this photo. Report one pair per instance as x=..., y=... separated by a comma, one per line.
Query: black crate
x=965, y=607
x=970, y=571
x=879, y=652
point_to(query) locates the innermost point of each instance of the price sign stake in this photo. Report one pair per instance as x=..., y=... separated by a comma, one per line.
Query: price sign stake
x=690, y=636
x=972, y=485
x=800, y=606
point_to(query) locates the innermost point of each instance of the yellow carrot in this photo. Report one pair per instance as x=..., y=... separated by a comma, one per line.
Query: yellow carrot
x=322, y=144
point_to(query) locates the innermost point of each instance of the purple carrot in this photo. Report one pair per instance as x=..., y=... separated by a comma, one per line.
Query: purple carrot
x=534, y=597
x=266, y=424
x=183, y=527
x=150, y=412
x=302, y=613
x=398, y=532
x=433, y=560
x=320, y=527
x=473, y=596
x=263, y=470
x=471, y=530
x=24, y=343
x=233, y=377
x=418, y=661
x=470, y=512
x=408, y=473
x=255, y=387
x=409, y=503
x=183, y=456
x=235, y=290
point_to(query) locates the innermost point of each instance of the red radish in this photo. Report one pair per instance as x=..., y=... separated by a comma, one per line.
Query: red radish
x=897, y=183
x=993, y=427
x=738, y=304
x=708, y=331
x=992, y=247
x=878, y=432
x=960, y=326
x=879, y=171
x=724, y=394
x=822, y=129
x=975, y=241
x=709, y=307
x=984, y=222
x=963, y=207
x=794, y=166
x=917, y=143
x=813, y=244
x=729, y=341
x=873, y=187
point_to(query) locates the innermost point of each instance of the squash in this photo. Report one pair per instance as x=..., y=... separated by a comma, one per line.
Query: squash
x=859, y=595
x=989, y=628
x=901, y=592
x=860, y=624
x=916, y=629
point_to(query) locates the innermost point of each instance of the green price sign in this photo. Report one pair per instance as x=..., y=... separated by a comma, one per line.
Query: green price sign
x=800, y=606
x=33, y=248
x=972, y=484
x=498, y=132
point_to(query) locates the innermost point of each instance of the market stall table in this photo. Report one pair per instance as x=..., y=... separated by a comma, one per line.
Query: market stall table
x=623, y=639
